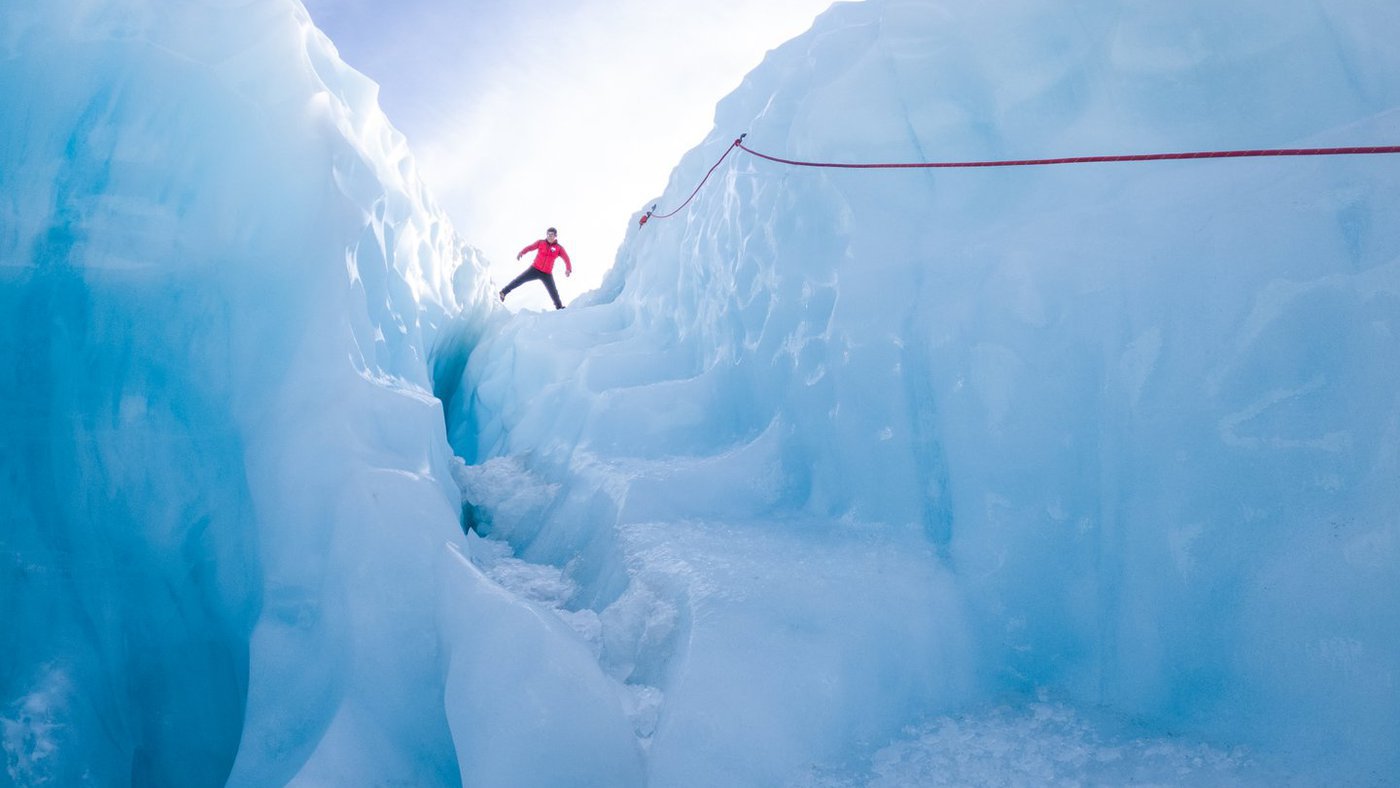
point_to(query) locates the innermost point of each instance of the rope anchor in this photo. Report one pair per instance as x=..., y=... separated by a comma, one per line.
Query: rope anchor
x=738, y=143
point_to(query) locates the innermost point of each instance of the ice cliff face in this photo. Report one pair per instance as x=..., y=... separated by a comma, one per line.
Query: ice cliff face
x=1126, y=434
x=232, y=550
x=219, y=278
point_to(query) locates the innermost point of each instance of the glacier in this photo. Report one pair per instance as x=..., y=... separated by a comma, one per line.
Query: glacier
x=1047, y=476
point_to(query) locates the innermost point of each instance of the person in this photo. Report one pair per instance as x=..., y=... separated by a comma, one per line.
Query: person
x=546, y=252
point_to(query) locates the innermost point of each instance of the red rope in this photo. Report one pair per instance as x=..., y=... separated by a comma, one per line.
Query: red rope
x=1213, y=154
x=1210, y=154
x=652, y=212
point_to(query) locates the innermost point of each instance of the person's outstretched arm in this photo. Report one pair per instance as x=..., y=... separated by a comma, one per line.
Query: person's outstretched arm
x=532, y=247
x=568, y=264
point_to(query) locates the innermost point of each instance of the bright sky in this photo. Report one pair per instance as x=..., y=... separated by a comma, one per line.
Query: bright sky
x=564, y=113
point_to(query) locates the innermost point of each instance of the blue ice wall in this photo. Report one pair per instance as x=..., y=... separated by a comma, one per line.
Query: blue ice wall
x=219, y=280
x=232, y=551
x=1142, y=419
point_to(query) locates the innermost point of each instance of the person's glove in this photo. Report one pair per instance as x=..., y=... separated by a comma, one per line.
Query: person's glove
x=522, y=254
x=568, y=271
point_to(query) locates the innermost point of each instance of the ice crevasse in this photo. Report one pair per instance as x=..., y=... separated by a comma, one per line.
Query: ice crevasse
x=835, y=454
x=986, y=477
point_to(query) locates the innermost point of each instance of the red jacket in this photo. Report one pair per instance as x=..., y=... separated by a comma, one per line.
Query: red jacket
x=545, y=257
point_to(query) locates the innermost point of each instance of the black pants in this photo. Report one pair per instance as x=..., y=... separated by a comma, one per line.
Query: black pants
x=535, y=273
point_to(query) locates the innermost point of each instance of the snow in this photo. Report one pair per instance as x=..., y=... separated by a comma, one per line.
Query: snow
x=1054, y=476
x=1045, y=744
